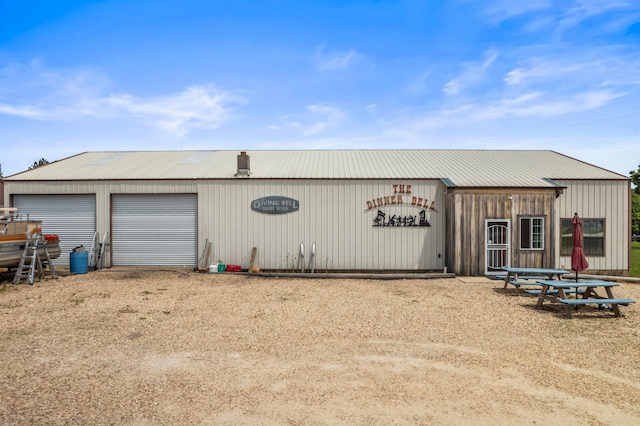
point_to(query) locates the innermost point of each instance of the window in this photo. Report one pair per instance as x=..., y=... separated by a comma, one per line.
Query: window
x=532, y=233
x=592, y=237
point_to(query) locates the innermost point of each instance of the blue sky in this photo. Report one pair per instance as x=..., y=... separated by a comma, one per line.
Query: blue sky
x=81, y=76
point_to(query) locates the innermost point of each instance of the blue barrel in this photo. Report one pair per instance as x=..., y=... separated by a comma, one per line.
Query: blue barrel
x=79, y=262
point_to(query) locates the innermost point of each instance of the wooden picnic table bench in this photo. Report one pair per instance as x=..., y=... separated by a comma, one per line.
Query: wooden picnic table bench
x=556, y=291
x=514, y=274
x=536, y=292
x=623, y=302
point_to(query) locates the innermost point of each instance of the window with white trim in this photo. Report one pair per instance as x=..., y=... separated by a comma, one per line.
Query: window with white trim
x=532, y=233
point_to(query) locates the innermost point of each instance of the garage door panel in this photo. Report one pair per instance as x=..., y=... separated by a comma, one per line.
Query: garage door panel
x=154, y=230
x=72, y=217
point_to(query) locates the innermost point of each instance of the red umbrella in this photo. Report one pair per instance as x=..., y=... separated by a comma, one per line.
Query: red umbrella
x=578, y=259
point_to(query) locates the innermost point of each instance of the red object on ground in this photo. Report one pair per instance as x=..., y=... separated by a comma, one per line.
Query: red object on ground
x=233, y=268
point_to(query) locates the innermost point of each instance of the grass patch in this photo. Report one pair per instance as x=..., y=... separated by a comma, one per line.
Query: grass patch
x=635, y=259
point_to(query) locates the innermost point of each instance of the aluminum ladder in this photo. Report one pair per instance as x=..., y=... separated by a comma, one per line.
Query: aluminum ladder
x=35, y=257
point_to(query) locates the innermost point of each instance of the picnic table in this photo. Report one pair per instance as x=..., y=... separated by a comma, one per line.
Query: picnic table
x=530, y=273
x=557, y=292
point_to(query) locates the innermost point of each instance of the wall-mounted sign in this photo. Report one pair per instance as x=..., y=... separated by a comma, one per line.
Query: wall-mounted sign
x=275, y=204
x=382, y=219
x=402, y=195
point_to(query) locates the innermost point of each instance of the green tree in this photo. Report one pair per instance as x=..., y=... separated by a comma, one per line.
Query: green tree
x=635, y=201
x=40, y=162
x=635, y=213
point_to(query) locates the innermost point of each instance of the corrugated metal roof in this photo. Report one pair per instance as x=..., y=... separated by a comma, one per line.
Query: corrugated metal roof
x=460, y=168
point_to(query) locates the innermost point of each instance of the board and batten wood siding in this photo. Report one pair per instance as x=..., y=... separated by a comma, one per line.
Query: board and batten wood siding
x=467, y=210
x=332, y=213
x=599, y=199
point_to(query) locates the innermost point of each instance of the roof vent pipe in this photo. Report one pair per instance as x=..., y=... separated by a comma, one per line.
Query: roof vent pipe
x=244, y=168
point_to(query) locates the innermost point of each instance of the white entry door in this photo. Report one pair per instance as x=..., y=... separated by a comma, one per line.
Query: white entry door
x=498, y=247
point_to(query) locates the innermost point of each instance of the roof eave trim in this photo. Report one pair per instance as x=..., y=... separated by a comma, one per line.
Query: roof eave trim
x=448, y=182
x=554, y=183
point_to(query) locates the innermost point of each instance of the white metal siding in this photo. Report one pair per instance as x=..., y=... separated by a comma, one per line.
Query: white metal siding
x=154, y=230
x=332, y=213
x=330, y=216
x=607, y=200
x=72, y=217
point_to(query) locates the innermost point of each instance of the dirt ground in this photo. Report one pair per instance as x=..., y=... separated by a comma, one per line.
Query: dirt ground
x=167, y=347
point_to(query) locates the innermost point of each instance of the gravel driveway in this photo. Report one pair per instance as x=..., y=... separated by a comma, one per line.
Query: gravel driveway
x=168, y=347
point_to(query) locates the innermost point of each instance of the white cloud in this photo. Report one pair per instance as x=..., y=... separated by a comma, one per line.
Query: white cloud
x=419, y=84
x=372, y=108
x=37, y=93
x=601, y=67
x=535, y=105
x=546, y=69
x=501, y=10
x=201, y=107
x=545, y=15
x=566, y=87
x=22, y=111
x=622, y=21
x=336, y=61
x=585, y=9
x=523, y=98
x=330, y=117
x=473, y=73
x=530, y=105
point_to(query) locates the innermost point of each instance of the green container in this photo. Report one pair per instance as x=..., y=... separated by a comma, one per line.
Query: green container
x=221, y=267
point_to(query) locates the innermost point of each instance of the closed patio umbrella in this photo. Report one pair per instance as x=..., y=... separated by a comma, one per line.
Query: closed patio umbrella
x=578, y=259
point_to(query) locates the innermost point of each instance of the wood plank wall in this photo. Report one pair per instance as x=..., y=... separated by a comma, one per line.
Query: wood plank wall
x=467, y=211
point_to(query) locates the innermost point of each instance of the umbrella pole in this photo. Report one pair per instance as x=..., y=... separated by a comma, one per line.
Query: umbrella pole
x=576, y=295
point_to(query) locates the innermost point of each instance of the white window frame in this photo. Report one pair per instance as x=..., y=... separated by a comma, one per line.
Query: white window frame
x=532, y=235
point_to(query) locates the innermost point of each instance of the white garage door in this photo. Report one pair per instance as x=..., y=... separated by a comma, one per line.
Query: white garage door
x=72, y=217
x=154, y=230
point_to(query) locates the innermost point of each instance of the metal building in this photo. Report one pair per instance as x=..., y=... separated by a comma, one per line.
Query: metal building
x=468, y=211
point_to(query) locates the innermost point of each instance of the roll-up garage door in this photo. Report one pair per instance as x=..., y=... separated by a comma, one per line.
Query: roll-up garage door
x=72, y=217
x=154, y=230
